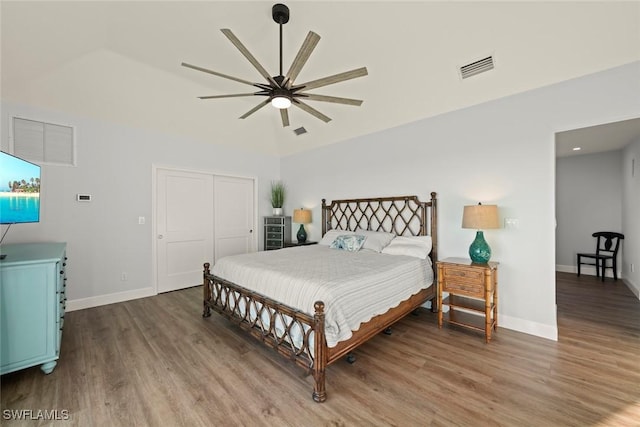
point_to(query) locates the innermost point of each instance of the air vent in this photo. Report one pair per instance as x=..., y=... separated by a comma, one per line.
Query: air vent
x=477, y=67
x=300, y=131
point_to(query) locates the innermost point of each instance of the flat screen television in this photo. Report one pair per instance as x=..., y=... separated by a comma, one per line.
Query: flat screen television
x=19, y=190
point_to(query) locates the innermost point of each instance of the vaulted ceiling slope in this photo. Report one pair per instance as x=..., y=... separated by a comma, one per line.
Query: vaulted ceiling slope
x=120, y=61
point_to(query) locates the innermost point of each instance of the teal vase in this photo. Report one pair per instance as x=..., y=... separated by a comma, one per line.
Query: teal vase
x=479, y=251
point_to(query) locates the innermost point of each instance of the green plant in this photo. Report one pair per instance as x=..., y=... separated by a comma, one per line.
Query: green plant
x=278, y=191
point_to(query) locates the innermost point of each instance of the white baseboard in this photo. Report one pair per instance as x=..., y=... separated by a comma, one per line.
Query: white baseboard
x=633, y=287
x=528, y=327
x=585, y=269
x=82, y=303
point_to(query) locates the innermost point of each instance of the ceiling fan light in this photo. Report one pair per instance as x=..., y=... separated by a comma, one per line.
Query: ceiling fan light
x=281, y=102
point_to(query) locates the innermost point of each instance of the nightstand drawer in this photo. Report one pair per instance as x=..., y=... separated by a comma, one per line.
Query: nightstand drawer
x=468, y=288
x=463, y=275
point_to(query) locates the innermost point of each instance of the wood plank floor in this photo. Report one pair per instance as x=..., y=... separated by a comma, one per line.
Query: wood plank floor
x=156, y=362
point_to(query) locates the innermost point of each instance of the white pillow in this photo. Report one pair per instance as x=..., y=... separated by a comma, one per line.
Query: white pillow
x=331, y=235
x=376, y=240
x=416, y=246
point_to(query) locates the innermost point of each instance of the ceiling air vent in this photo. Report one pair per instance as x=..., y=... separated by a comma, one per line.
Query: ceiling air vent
x=301, y=130
x=477, y=67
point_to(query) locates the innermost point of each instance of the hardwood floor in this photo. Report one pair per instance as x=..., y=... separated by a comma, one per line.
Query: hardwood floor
x=156, y=362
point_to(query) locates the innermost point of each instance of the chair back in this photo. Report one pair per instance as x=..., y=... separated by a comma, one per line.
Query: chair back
x=608, y=242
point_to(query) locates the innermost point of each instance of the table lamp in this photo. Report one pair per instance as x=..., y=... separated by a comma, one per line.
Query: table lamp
x=302, y=217
x=480, y=217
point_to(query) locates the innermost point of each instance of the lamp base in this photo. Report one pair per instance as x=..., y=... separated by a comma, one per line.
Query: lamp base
x=479, y=251
x=302, y=235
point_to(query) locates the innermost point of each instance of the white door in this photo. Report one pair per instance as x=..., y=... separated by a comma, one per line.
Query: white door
x=184, y=227
x=234, y=216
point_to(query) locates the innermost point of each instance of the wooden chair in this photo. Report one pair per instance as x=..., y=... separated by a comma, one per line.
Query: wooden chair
x=607, y=245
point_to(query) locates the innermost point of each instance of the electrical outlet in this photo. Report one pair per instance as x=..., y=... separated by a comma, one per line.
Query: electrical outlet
x=632, y=268
x=123, y=276
x=141, y=220
x=511, y=223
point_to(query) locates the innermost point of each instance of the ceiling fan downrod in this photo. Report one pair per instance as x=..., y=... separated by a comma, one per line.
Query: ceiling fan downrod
x=280, y=14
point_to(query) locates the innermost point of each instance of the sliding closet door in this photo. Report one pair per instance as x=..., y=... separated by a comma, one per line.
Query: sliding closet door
x=184, y=227
x=234, y=216
x=199, y=218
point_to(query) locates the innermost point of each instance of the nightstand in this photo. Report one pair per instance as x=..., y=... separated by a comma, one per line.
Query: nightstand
x=473, y=294
x=292, y=244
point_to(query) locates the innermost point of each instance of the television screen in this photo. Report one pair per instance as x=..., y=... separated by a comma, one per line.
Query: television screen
x=19, y=190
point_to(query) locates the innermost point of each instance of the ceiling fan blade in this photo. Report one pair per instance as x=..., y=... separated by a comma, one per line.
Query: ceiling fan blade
x=284, y=114
x=256, y=108
x=301, y=58
x=238, y=44
x=311, y=110
x=336, y=78
x=235, y=95
x=215, y=73
x=324, y=98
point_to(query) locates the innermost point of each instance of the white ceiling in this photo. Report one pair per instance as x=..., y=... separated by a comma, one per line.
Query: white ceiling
x=595, y=139
x=120, y=61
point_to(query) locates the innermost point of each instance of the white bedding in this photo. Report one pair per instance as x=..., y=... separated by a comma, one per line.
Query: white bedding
x=354, y=286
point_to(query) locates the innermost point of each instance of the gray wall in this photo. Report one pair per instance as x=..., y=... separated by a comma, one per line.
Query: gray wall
x=499, y=152
x=115, y=166
x=588, y=199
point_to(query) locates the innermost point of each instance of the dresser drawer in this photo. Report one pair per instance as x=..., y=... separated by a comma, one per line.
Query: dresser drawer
x=274, y=220
x=274, y=236
x=274, y=229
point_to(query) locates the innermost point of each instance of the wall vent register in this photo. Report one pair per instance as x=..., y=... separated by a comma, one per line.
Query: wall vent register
x=42, y=142
x=477, y=67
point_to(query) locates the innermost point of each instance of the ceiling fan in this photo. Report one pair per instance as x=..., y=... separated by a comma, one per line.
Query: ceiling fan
x=280, y=90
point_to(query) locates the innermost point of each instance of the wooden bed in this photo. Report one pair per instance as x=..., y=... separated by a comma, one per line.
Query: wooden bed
x=405, y=215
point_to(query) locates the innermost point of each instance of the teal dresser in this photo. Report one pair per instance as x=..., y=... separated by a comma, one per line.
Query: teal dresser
x=32, y=303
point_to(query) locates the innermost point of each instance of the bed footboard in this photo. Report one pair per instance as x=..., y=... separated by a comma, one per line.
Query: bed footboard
x=292, y=333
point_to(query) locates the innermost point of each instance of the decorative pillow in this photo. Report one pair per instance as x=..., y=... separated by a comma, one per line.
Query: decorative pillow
x=349, y=242
x=331, y=235
x=376, y=240
x=417, y=246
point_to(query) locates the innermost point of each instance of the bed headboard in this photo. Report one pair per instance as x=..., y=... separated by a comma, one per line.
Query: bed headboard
x=401, y=215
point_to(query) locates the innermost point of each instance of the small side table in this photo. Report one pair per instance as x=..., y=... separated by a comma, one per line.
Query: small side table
x=473, y=294
x=295, y=243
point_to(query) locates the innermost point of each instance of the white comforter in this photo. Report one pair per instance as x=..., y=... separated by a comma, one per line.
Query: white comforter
x=354, y=286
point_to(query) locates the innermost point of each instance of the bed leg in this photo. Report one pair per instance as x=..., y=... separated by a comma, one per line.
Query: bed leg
x=351, y=358
x=206, y=292
x=320, y=350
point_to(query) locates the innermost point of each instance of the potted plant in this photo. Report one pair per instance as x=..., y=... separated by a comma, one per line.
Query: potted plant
x=278, y=192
